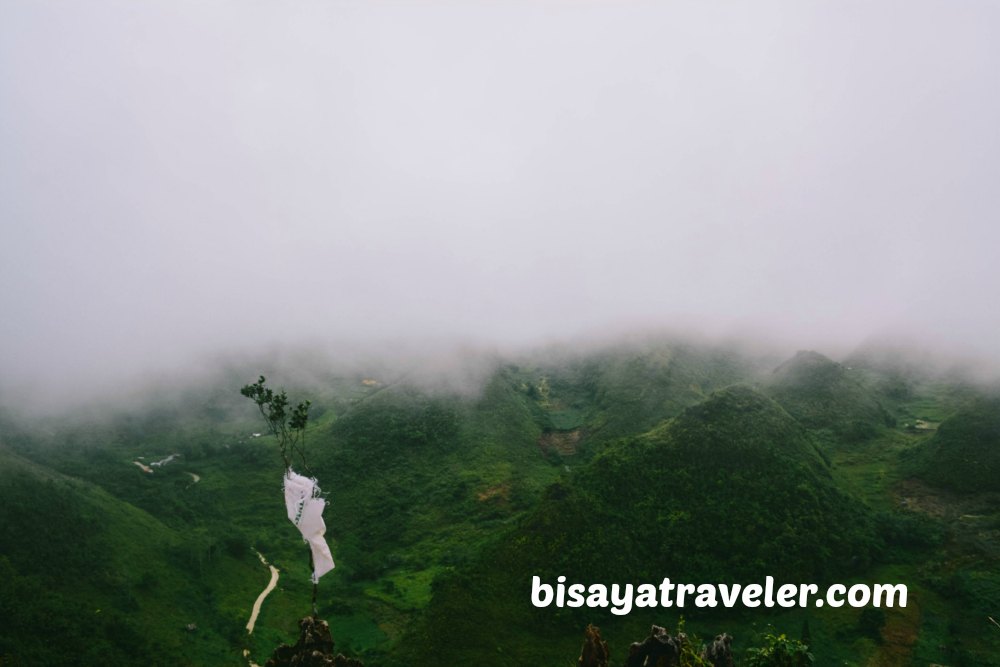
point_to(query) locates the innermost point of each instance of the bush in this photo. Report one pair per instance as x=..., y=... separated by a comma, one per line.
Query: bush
x=779, y=651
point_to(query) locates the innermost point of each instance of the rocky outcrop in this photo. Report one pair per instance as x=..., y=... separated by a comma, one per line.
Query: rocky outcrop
x=659, y=649
x=314, y=648
x=719, y=653
x=595, y=650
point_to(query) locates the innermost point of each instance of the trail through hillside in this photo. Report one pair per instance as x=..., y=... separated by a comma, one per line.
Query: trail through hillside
x=260, y=600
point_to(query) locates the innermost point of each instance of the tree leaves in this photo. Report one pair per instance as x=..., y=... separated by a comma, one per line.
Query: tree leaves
x=288, y=428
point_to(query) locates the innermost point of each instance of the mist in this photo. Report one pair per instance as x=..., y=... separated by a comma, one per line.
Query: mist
x=182, y=180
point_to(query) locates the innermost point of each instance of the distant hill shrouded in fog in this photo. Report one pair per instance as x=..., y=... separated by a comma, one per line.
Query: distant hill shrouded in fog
x=822, y=394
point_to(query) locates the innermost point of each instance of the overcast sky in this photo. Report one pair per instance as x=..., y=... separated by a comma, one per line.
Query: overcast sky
x=178, y=177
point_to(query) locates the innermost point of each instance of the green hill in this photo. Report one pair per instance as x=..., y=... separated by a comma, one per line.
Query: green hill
x=616, y=465
x=964, y=453
x=625, y=391
x=88, y=579
x=427, y=476
x=827, y=396
x=729, y=491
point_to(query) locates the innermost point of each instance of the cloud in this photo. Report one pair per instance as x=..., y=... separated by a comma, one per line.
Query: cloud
x=184, y=178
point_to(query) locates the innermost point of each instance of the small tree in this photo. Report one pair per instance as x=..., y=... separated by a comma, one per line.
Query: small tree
x=288, y=428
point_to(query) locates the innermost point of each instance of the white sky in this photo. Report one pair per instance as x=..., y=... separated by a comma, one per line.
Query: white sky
x=185, y=176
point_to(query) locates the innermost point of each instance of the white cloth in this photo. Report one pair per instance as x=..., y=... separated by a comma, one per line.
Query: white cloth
x=305, y=510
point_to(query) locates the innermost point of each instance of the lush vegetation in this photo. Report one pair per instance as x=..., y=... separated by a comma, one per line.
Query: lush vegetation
x=731, y=490
x=618, y=465
x=964, y=454
x=823, y=395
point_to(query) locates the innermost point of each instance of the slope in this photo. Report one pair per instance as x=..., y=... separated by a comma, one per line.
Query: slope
x=731, y=490
x=827, y=396
x=964, y=453
x=624, y=390
x=89, y=579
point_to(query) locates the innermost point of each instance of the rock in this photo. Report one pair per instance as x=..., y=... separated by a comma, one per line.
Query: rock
x=314, y=648
x=719, y=653
x=595, y=650
x=658, y=649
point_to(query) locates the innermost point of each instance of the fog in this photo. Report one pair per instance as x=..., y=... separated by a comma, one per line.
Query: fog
x=184, y=179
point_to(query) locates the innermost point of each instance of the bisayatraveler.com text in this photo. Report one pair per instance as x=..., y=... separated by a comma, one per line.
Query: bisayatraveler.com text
x=622, y=598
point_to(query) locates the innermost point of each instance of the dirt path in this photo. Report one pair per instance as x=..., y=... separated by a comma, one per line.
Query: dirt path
x=164, y=461
x=260, y=600
x=195, y=478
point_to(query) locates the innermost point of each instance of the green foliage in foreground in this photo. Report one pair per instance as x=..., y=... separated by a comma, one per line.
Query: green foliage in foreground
x=287, y=427
x=778, y=651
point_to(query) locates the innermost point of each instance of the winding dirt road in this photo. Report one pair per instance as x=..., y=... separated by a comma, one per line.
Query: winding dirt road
x=260, y=600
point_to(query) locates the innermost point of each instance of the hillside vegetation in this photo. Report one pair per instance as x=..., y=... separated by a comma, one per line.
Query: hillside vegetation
x=731, y=490
x=622, y=464
x=825, y=396
x=964, y=454
x=86, y=578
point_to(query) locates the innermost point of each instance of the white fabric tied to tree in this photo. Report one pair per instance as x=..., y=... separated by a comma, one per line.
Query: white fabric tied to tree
x=305, y=510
